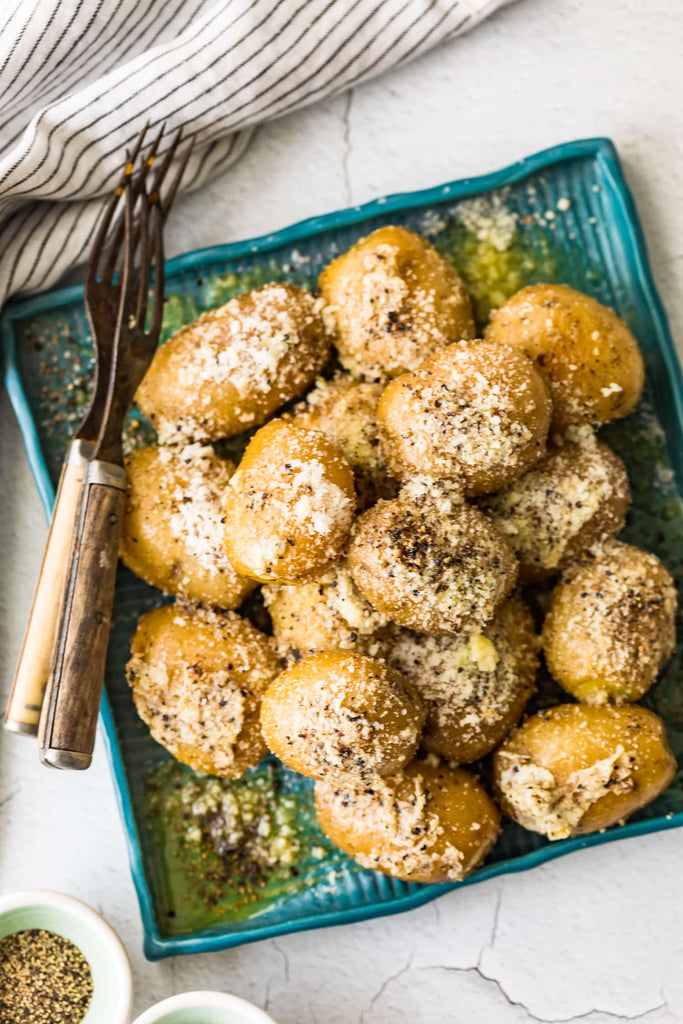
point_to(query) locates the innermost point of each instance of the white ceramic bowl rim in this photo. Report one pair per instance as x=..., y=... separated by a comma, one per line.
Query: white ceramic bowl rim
x=204, y=1000
x=105, y=936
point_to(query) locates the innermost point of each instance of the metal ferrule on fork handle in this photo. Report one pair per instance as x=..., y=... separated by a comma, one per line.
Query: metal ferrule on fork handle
x=69, y=716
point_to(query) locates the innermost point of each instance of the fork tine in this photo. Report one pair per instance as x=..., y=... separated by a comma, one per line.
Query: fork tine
x=158, y=260
x=155, y=145
x=144, y=269
x=138, y=143
x=106, y=219
x=158, y=210
x=128, y=269
x=103, y=229
x=139, y=183
x=132, y=158
x=166, y=162
x=101, y=234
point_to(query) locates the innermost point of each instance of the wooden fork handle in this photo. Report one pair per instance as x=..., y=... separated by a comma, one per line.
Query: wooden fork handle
x=69, y=716
x=26, y=698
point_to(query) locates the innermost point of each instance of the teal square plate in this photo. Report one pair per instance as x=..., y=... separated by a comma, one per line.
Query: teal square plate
x=566, y=215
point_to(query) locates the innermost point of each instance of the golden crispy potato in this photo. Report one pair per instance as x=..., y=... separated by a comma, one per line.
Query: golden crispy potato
x=343, y=716
x=236, y=365
x=586, y=353
x=197, y=678
x=574, y=769
x=430, y=822
x=394, y=300
x=326, y=614
x=172, y=535
x=430, y=563
x=611, y=625
x=576, y=497
x=475, y=687
x=346, y=410
x=290, y=505
x=475, y=412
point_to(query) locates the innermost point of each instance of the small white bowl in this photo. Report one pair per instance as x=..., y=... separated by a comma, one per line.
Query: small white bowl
x=112, y=999
x=204, y=1008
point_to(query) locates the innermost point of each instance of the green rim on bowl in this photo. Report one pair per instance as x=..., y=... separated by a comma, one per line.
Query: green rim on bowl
x=204, y=1008
x=576, y=222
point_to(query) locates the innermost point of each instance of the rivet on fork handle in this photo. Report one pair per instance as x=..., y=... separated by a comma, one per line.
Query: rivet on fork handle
x=69, y=718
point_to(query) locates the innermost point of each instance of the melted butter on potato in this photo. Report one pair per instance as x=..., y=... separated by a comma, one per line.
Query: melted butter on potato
x=430, y=822
x=586, y=353
x=475, y=412
x=394, y=300
x=475, y=688
x=576, y=497
x=342, y=715
x=573, y=769
x=290, y=505
x=236, y=365
x=197, y=678
x=172, y=534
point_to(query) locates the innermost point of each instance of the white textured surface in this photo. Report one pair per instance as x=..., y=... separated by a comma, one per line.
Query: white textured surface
x=596, y=935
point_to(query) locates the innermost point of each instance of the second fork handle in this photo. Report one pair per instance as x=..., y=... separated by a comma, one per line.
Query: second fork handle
x=70, y=709
x=33, y=668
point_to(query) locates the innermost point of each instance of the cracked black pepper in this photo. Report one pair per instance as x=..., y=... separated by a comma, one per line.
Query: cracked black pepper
x=44, y=979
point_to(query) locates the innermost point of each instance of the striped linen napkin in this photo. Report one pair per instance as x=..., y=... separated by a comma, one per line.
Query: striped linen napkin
x=80, y=78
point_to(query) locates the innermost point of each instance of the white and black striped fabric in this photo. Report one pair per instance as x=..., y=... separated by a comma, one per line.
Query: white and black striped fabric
x=80, y=78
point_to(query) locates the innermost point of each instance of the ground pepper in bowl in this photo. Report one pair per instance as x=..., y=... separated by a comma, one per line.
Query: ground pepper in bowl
x=44, y=979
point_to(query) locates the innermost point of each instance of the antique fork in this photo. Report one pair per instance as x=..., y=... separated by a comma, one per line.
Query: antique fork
x=119, y=306
x=102, y=299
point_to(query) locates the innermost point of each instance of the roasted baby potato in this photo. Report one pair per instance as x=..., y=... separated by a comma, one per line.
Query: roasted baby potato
x=326, y=614
x=394, y=301
x=476, y=413
x=475, y=687
x=173, y=535
x=289, y=507
x=611, y=625
x=343, y=716
x=429, y=822
x=197, y=678
x=586, y=353
x=575, y=498
x=346, y=410
x=573, y=769
x=236, y=365
x=430, y=563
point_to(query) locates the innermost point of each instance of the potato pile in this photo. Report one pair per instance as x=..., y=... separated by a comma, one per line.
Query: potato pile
x=392, y=518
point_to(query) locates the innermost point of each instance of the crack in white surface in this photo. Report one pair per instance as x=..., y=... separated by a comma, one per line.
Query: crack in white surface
x=518, y=1004
x=614, y=1016
x=285, y=959
x=437, y=912
x=346, y=153
x=10, y=796
x=489, y=979
x=494, y=926
x=383, y=987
